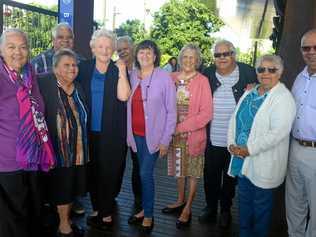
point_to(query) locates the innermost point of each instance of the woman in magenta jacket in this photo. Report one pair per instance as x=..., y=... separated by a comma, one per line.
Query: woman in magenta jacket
x=194, y=111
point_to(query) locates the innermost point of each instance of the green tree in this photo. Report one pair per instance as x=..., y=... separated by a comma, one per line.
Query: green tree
x=179, y=22
x=211, y=5
x=38, y=26
x=133, y=28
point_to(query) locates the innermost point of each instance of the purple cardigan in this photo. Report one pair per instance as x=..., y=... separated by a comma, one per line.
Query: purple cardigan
x=9, y=120
x=159, y=109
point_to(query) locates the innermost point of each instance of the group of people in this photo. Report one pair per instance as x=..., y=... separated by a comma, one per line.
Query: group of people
x=67, y=124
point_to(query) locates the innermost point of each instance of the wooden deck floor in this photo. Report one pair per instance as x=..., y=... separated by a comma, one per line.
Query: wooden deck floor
x=165, y=224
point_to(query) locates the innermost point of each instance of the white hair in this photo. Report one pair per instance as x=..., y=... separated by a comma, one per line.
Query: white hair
x=60, y=26
x=275, y=59
x=125, y=39
x=103, y=33
x=13, y=31
x=227, y=43
x=197, y=51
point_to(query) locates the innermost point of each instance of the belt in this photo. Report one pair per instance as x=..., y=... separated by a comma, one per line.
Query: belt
x=306, y=143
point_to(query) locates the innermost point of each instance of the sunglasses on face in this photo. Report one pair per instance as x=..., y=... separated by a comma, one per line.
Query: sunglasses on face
x=308, y=48
x=224, y=54
x=266, y=69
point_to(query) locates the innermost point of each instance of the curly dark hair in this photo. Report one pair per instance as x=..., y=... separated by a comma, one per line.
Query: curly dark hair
x=148, y=44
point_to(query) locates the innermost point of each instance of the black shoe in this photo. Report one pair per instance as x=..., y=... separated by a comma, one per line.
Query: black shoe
x=134, y=220
x=225, y=220
x=147, y=229
x=169, y=210
x=78, y=230
x=59, y=234
x=98, y=223
x=77, y=209
x=207, y=216
x=182, y=224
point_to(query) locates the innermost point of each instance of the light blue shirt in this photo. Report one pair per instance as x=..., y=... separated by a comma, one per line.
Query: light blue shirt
x=244, y=120
x=304, y=92
x=97, y=94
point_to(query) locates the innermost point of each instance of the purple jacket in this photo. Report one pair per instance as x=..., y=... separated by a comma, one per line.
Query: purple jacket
x=9, y=120
x=159, y=100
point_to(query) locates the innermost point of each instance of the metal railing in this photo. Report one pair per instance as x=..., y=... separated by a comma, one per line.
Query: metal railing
x=35, y=21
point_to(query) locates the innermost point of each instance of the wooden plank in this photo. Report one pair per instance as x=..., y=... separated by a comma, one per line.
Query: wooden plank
x=164, y=224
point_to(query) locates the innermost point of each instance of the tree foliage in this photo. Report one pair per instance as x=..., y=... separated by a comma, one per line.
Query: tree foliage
x=179, y=22
x=38, y=27
x=133, y=28
x=211, y=5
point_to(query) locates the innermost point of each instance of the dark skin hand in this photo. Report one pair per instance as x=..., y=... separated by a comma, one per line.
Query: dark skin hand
x=239, y=151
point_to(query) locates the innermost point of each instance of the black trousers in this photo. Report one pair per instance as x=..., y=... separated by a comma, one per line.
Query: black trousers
x=19, y=204
x=136, y=182
x=104, y=177
x=218, y=186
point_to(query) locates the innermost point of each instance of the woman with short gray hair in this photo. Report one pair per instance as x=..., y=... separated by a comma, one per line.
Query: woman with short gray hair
x=25, y=144
x=274, y=59
x=258, y=140
x=107, y=88
x=66, y=117
x=194, y=111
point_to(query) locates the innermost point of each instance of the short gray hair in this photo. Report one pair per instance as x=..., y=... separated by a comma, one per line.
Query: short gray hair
x=14, y=31
x=103, y=33
x=59, y=26
x=227, y=43
x=196, y=49
x=125, y=39
x=62, y=53
x=308, y=33
x=275, y=59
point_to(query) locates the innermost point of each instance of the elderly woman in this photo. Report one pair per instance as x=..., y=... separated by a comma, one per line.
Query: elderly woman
x=194, y=111
x=24, y=141
x=258, y=140
x=151, y=120
x=106, y=88
x=67, y=123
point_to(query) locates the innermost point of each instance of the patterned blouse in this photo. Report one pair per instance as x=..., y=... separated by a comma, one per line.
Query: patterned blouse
x=71, y=130
x=244, y=119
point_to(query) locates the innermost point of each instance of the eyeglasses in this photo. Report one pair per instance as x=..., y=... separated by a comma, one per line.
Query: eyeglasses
x=267, y=69
x=224, y=54
x=308, y=48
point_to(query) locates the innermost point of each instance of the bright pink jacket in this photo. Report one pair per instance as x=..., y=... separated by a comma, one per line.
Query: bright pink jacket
x=199, y=115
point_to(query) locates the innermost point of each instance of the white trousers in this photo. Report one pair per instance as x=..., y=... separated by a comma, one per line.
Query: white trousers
x=300, y=196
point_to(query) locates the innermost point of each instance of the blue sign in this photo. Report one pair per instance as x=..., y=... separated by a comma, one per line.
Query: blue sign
x=66, y=9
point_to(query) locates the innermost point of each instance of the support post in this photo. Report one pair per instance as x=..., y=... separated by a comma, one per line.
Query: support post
x=83, y=26
x=300, y=16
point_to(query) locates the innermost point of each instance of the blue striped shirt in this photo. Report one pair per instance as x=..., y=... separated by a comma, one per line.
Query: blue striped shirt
x=224, y=105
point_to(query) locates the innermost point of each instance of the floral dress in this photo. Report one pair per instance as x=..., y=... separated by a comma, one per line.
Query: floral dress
x=180, y=163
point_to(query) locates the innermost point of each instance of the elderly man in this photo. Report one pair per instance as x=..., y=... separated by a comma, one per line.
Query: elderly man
x=63, y=37
x=228, y=80
x=125, y=52
x=301, y=177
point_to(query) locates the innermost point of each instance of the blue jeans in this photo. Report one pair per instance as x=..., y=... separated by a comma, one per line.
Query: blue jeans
x=147, y=163
x=255, y=207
